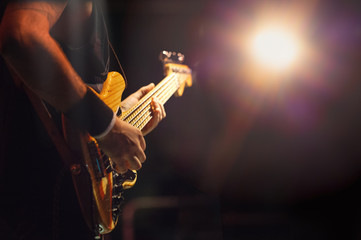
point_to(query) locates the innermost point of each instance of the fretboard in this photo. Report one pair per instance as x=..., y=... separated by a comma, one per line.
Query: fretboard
x=140, y=114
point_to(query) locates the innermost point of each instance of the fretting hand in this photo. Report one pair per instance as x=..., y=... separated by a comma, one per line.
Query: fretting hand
x=157, y=108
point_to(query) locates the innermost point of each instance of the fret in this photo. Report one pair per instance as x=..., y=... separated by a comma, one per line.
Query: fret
x=146, y=117
x=141, y=114
x=130, y=112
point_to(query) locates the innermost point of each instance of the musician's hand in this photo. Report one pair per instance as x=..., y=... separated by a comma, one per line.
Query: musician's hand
x=125, y=145
x=157, y=108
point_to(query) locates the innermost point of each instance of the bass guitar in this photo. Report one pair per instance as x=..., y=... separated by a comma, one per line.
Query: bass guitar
x=99, y=187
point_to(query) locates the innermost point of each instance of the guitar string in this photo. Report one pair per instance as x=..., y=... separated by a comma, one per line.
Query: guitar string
x=146, y=117
x=146, y=106
x=143, y=114
x=163, y=95
x=146, y=97
x=144, y=120
x=134, y=110
x=139, y=107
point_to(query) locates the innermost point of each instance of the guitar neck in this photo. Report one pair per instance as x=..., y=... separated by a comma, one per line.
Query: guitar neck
x=140, y=114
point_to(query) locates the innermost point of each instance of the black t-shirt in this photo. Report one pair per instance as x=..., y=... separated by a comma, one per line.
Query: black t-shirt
x=91, y=60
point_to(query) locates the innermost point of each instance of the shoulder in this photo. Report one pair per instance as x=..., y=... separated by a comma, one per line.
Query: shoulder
x=28, y=12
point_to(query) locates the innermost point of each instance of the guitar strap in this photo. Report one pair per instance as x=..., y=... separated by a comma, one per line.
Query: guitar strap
x=79, y=173
x=66, y=155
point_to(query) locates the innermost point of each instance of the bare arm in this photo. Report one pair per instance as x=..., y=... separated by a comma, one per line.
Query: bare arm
x=37, y=59
x=35, y=56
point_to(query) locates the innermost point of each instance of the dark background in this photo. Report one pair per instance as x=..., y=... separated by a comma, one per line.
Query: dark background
x=231, y=162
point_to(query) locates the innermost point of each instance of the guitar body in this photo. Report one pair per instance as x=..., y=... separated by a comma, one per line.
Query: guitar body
x=99, y=188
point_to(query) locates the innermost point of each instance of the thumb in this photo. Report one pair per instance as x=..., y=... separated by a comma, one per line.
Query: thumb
x=147, y=88
x=143, y=90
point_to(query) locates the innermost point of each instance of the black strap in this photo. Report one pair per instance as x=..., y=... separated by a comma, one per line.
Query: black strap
x=66, y=155
x=80, y=177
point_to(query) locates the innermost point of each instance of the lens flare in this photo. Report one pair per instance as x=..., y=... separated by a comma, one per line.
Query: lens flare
x=274, y=48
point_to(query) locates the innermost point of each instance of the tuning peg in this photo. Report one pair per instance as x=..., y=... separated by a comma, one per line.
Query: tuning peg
x=171, y=57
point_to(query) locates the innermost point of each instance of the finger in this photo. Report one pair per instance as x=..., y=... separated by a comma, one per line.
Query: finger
x=156, y=111
x=148, y=128
x=159, y=108
x=135, y=163
x=147, y=88
x=142, y=143
x=143, y=90
x=162, y=109
x=142, y=157
x=120, y=168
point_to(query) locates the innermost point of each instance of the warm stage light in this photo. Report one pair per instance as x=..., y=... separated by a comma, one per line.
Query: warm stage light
x=275, y=45
x=274, y=48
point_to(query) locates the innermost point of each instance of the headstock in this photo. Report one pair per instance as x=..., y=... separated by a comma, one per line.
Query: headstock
x=173, y=64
